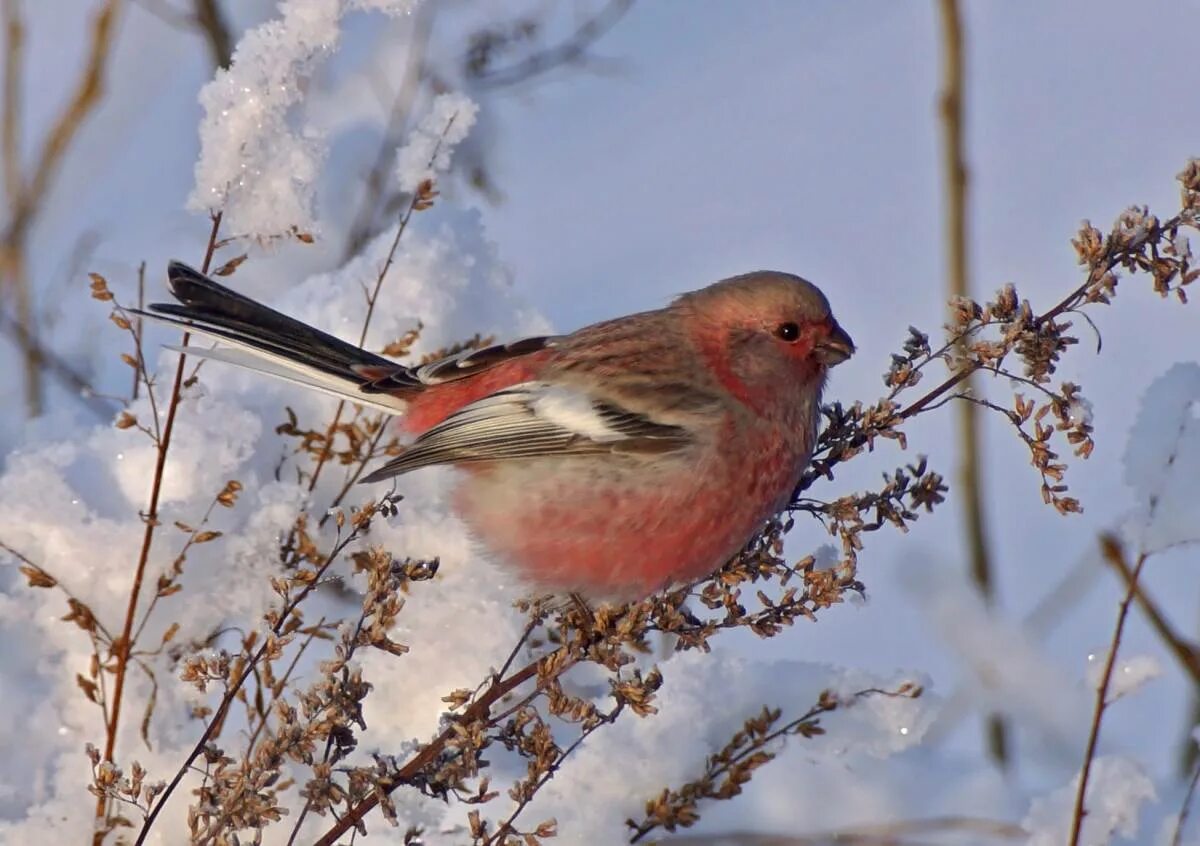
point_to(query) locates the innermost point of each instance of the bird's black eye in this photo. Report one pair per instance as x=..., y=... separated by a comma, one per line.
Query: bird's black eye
x=788, y=331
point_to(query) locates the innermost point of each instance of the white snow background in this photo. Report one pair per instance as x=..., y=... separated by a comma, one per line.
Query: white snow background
x=709, y=142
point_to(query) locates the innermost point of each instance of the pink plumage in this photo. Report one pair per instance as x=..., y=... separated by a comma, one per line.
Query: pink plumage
x=614, y=461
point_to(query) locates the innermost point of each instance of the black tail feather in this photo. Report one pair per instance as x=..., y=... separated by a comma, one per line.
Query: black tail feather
x=226, y=314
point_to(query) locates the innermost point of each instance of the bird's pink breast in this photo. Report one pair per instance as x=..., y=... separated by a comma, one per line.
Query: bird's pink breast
x=588, y=525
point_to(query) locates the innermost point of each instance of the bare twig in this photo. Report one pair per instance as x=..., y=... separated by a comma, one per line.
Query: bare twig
x=1111, y=549
x=418, y=201
x=124, y=645
x=50, y=577
x=25, y=197
x=212, y=23
x=883, y=834
x=54, y=364
x=1184, y=651
x=377, y=178
x=88, y=92
x=249, y=666
x=571, y=51
x=14, y=50
x=137, y=322
x=734, y=764
x=497, y=690
x=1186, y=808
x=956, y=213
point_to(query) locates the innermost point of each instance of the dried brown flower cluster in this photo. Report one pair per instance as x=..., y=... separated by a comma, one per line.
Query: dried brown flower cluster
x=734, y=765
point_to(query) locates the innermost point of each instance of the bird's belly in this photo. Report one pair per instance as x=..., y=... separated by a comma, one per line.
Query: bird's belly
x=613, y=532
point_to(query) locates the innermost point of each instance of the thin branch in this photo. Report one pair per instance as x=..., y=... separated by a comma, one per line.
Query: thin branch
x=88, y=93
x=212, y=23
x=883, y=834
x=560, y=659
x=54, y=364
x=25, y=198
x=506, y=828
x=1184, y=651
x=14, y=52
x=1111, y=549
x=137, y=323
x=249, y=666
x=377, y=178
x=372, y=297
x=1186, y=808
x=955, y=179
x=568, y=52
x=28, y=562
x=124, y=646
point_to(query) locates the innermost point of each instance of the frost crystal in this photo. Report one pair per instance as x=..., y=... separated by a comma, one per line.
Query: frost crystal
x=1080, y=411
x=428, y=150
x=258, y=160
x=1162, y=460
x=395, y=8
x=1128, y=675
x=1115, y=792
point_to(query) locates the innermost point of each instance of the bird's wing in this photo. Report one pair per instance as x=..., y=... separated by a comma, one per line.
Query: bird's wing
x=450, y=368
x=535, y=419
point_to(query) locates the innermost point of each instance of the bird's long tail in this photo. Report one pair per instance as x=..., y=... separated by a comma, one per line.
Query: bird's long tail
x=260, y=338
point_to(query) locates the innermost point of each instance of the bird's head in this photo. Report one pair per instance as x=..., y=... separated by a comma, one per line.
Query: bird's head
x=766, y=331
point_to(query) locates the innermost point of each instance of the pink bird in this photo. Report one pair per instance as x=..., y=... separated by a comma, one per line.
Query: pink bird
x=612, y=462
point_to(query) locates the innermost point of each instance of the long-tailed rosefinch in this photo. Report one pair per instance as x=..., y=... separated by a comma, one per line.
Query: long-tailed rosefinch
x=613, y=461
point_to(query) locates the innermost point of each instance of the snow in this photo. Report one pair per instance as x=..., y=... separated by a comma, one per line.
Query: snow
x=1129, y=674
x=431, y=144
x=1117, y=788
x=1162, y=461
x=259, y=158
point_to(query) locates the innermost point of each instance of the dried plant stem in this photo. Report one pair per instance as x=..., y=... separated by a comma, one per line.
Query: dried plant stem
x=1111, y=549
x=353, y=641
x=14, y=50
x=123, y=646
x=137, y=326
x=1184, y=651
x=1186, y=808
x=727, y=769
x=507, y=829
x=209, y=19
x=884, y=834
x=28, y=562
x=561, y=660
x=249, y=667
x=372, y=297
x=25, y=197
x=49, y=361
x=1111, y=260
x=574, y=49
x=956, y=180
x=364, y=224
x=331, y=431
x=12, y=265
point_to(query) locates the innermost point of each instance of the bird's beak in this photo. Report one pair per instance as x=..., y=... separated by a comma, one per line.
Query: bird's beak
x=835, y=347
